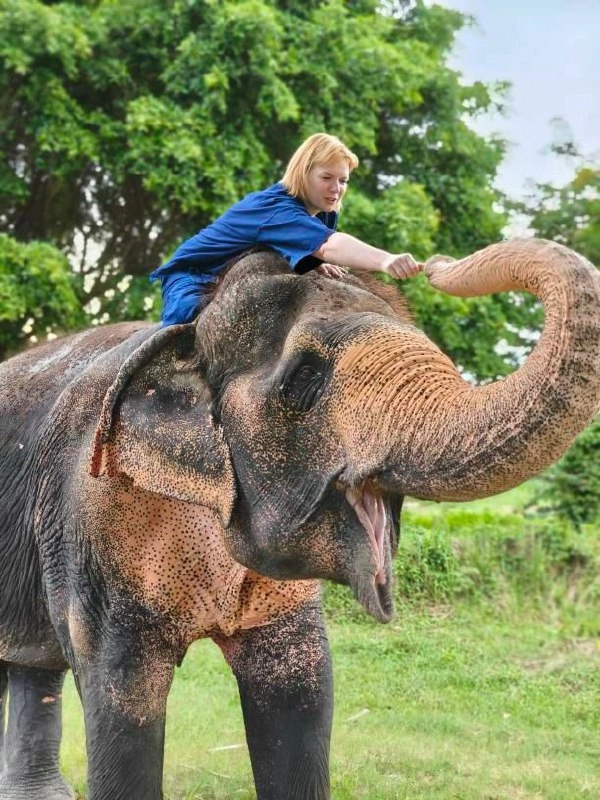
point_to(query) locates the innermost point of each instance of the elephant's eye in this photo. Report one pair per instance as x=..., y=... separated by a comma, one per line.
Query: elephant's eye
x=306, y=373
x=303, y=385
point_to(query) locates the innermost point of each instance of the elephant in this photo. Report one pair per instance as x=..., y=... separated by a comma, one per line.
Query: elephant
x=159, y=485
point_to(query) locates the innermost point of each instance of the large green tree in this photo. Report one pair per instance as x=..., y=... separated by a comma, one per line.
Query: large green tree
x=126, y=125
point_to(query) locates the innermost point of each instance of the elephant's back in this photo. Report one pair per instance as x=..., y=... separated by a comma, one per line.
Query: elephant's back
x=37, y=376
x=32, y=383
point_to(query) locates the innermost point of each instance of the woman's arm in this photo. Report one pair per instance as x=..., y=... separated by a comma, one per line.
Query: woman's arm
x=347, y=251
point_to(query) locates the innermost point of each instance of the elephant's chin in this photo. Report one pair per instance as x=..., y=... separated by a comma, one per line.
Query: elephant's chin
x=374, y=597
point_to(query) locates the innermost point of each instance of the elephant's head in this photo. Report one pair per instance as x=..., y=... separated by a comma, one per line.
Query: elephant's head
x=303, y=409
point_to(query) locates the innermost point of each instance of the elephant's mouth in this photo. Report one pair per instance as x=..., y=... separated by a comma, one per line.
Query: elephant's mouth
x=372, y=587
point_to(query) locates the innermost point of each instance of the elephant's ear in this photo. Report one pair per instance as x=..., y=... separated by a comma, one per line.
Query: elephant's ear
x=156, y=426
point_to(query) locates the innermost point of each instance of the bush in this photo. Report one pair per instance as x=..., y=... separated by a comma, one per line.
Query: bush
x=571, y=488
x=501, y=561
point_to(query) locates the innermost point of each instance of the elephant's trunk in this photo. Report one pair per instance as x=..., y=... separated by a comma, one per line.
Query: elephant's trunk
x=430, y=434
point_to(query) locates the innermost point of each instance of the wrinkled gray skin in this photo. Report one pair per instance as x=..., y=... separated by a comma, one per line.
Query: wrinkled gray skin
x=162, y=485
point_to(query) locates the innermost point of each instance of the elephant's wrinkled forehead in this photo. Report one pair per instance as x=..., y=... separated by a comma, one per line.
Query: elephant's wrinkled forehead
x=261, y=301
x=326, y=334
x=263, y=280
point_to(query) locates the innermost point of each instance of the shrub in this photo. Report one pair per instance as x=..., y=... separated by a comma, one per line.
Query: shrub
x=571, y=488
x=506, y=561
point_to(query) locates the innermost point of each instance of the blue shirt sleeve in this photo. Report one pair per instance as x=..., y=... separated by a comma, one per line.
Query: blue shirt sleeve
x=293, y=232
x=269, y=217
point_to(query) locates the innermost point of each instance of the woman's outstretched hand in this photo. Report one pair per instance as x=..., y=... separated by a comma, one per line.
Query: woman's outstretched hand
x=401, y=265
x=331, y=270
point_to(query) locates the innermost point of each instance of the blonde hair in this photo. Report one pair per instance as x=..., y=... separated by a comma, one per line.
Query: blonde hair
x=320, y=148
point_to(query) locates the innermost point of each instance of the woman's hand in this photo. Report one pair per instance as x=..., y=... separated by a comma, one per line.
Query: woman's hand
x=400, y=266
x=331, y=270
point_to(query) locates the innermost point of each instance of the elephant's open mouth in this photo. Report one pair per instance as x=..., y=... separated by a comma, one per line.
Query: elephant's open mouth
x=373, y=587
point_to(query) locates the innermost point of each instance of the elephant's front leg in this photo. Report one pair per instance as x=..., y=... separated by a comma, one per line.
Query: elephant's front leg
x=32, y=737
x=124, y=694
x=285, y=682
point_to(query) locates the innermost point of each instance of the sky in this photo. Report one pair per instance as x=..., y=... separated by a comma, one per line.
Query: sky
x=549, y=50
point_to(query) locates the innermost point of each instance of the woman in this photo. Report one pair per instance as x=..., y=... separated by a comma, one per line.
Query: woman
x=296, y=217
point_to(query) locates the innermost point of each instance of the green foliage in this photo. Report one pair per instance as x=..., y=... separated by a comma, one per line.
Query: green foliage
x=570, y=214
x=571, y=487
x=484, y=557
x=36, y=293
x=401, y=218
x=127, y=126
x=488, y=558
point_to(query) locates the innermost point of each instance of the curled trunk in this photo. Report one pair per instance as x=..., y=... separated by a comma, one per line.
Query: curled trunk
x=437, y=436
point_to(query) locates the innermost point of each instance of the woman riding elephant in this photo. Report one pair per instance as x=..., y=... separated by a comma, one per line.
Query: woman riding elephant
x=297, y=217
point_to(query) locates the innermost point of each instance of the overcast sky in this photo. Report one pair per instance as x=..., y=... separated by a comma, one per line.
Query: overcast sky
x=549, y=50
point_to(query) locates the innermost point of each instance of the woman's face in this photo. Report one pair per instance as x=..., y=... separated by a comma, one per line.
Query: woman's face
x=326, y=185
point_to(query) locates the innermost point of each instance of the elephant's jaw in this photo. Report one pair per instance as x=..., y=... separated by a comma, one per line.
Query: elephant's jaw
x=356, y=550
x=372, y=588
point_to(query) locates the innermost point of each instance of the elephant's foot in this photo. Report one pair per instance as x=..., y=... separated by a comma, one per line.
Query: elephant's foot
x=27, y=787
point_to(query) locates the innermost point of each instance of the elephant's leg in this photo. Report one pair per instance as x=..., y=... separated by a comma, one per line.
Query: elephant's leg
x=3, y=685
x=32, y=736
x=285, y=682
x=124, y=696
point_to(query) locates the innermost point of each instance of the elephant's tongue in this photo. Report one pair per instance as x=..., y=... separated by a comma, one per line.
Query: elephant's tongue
x=370, y=510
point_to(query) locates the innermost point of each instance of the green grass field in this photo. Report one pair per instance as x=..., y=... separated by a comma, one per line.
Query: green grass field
x=486, y=686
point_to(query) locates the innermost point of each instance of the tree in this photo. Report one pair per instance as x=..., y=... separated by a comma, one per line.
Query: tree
x=570, y=214
x=127, y=126
x=37, y=293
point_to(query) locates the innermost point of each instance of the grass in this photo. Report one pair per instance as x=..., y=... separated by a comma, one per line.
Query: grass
x=486, y=686
x=459, y=708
